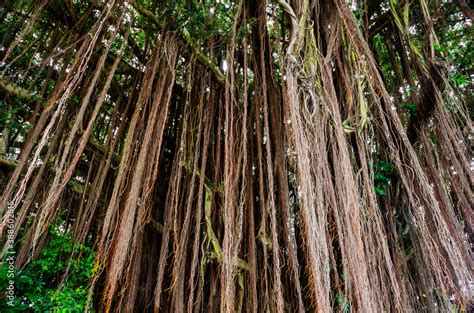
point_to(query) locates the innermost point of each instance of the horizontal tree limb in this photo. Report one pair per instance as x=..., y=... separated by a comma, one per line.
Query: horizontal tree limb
x=201, y=57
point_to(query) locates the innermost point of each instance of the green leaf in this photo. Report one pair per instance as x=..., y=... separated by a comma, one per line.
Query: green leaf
x=381, y=177
x=410, y=108
x=25, y=279
x=380, y=191
x=343, y=303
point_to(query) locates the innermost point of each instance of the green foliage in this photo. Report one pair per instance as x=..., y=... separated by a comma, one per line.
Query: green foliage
x=343, y=303
x=10, y=118
x=438, y=47
x=382, y=54
x=359, y=15
x=458, y=79
x=247, y=28
x=410, y=108
x=202, y=20
x=382, y=172
x=40, y=285
x=455, y=36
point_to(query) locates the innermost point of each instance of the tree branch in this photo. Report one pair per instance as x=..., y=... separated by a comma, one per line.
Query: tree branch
x=14, y=90
x=381, y=21
x=201, y=57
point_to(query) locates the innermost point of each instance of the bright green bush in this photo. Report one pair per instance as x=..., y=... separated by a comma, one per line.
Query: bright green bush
x=58, y=281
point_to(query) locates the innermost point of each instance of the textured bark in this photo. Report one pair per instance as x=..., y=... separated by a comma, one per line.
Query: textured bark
x=241, y=171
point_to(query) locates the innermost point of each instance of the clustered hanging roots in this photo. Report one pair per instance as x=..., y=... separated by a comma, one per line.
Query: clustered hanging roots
x=250, y=188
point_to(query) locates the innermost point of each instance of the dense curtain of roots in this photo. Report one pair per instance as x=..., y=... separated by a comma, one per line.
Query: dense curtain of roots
x=249, y=188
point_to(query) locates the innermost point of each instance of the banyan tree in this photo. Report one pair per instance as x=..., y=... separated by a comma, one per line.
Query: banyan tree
x=236, y=156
